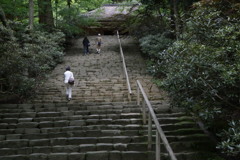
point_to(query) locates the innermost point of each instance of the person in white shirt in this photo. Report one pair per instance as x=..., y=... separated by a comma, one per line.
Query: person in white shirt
x=68, y=75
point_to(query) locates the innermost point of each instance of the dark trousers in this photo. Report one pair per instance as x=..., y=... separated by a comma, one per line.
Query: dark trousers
x=86, y=51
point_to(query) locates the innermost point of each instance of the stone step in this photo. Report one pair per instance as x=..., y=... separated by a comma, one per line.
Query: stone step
x=107, y=155
x=177, y=147
x=93, y=155
x=81, y=148
x=8, y=108
x=72, y=132
x=67, y=117
x=61, y=111
x=83, y=120
x=20, y=143
x=48, y=127
x=66, y=123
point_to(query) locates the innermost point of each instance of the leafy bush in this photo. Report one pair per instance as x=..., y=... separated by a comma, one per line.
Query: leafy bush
x=201, y=71
x=26, y=57
x=230, y=143
x=152, y=46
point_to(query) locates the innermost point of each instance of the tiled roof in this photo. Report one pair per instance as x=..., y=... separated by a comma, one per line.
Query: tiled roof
x=108, y=11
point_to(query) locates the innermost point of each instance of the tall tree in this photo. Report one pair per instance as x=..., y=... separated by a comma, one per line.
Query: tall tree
x=175, y=18
x=3, y=17
x=69, y=3
x=31, y=14
x=45, y=13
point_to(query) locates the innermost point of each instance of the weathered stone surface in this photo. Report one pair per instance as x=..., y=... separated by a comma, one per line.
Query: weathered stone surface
x=45, y=124
x=50, y=130
x=48, y=114
x=4, y=126
x=76, y=156
x=137, y=147
x=66, y=148
x=2, y=137
x=104, y=146
x=14, y=143
x=28, y=115
x=9, y=120
x=7, y=151
x=120, y=146
x=82, y=140
x=67, y=113
x=87, y=147
x=38, y=156
x=122, y=139
x=59, y=141
x=77, y=123
x=27, y=125
x=61, y=123
x=15, y=157
x=115, y=155
x=25, y=119
x=39, y=142
x=24, y=151
x=58, y=156
x=13, y=136
x=44, y=149
x=31, y=130
x=100, y=155
x=134, y=155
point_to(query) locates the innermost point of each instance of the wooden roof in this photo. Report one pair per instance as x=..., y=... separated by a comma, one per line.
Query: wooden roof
x=114, y=12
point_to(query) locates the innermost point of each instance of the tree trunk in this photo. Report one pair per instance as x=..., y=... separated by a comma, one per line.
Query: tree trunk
x=4, y=21
x=56, y=11
x=3, y=18
x=31, y=14
x=177, y=24
x=69, y=3
x=45, y=13
x=174, y=18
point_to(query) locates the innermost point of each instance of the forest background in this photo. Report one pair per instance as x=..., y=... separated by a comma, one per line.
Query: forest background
x=192, y=47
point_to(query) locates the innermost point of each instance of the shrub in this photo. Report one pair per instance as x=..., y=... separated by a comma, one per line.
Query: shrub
x=201, y=71
x=26, y=57
x=230, y=143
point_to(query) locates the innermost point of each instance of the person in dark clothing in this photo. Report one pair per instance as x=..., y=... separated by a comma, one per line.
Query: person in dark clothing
x=86, y=44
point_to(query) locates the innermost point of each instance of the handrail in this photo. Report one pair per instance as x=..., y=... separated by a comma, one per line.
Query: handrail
x=159, y=131
x=124, y=67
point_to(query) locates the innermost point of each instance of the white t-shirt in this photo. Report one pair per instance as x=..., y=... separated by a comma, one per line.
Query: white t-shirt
x=67, y=75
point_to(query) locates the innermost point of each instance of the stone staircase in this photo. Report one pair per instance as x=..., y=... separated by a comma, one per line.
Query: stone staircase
x=99, y=122
x=99, y=78
x=90, y=131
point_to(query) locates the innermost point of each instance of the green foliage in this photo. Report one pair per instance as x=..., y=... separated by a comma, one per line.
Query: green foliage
x=230, y=143
x=201, y=71
x=15, y=10
x=72, y=22
x=27, y=57
x=203, y=68
x=152, y=44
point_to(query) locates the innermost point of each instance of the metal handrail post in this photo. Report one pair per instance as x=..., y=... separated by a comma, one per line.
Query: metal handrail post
x=144, y=112
x=149, y=131
x=138, y=97
x=153, y=117
x=158, y=146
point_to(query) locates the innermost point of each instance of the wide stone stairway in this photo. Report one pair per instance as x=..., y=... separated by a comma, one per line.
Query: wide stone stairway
x=99, y=77
x=99, y=123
